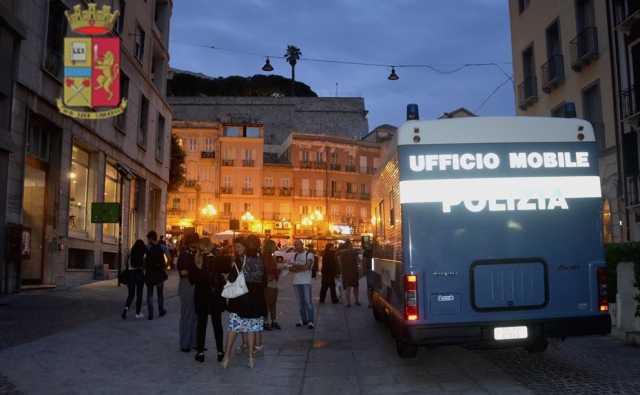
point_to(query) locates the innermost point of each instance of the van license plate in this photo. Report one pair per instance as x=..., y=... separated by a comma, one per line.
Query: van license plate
x=510, y=333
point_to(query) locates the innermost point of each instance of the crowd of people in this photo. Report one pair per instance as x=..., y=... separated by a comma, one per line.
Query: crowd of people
x=241, y=278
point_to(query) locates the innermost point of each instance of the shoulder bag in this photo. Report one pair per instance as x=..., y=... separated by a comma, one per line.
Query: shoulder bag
x=238, y=287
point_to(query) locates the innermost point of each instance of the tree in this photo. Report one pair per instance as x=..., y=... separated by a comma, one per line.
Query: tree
x=292, y=56
x=176, y=169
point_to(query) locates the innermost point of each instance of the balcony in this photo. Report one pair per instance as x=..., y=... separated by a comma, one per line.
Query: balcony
x=335, y=167
x=627, y=14
x=350, y=168
x=351, y=195
x=247, y=191
x=320, y=165
x=285, y=191
x=207, y=154
x=227, y=162
x=226, y=190
x=584, y=48
x=268, y=191
x=552, y=73
x=528, y=92
x=336, y=194
x=365, y=196
x=306, y=164
x=248, y=163
x=175, y=211
x=190, y=183
x=629, y=105
x=368, y=170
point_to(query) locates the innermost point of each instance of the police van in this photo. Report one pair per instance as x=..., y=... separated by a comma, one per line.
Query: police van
x=487, y=231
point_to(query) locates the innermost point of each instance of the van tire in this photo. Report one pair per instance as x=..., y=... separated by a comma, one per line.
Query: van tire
x=539, y=345
x=406, y=350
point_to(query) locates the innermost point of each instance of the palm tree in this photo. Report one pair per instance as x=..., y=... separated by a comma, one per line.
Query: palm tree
x=292, y=56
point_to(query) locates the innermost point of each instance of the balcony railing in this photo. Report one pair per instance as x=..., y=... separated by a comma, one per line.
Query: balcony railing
x=227, y=162
x=190, y=183
x=226, y=190
x=320, y=165
x=306, y=165
x=368, y=170
x=285, y=191
x=528, y=92
x=268, y=191
x=248, y=163
x=247, y=191
x=552, y=73
x=627, y=14
x=584, y=48
x=365, y=196
x=629, y=104
x=350, y=168
x=335, y=194
x=175, y=211
x=351, y=195
x=335, y=166
x=207, y=154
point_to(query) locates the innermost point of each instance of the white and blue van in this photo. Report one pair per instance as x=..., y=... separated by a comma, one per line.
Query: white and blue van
x=488, y=231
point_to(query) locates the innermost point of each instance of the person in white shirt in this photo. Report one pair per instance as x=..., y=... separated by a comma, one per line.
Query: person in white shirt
x=301, y=269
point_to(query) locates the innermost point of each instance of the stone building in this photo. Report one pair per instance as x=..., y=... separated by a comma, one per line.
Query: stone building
x=296, y=189
x=281, y=116
x=562, y=55
x=57, y=166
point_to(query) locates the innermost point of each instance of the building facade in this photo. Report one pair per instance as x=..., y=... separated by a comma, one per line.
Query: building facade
x=308, y=186
x=280, y=116
x=59, y=166
x=562, y=57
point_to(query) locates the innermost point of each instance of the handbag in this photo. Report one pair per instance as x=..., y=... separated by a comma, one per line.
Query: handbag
x=124, y=276
x=237, y=288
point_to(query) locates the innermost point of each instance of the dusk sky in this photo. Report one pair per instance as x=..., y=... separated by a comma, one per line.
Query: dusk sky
x=445, y=34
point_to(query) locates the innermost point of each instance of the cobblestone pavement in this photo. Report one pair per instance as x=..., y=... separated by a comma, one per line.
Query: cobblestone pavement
x=590, y=365
x=46, y=334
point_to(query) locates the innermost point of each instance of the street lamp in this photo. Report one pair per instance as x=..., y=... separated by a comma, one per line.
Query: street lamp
x=247, y=217
x=393, y=76
x=267, y=66
x=209, y=211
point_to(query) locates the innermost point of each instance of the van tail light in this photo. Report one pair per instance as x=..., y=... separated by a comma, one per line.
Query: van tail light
x=411, y=297
x=603, y=290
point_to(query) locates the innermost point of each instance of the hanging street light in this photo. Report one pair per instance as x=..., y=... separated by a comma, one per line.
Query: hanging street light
x=393, y=76
x=267, y=66
x=209, y=211
x=247, y=217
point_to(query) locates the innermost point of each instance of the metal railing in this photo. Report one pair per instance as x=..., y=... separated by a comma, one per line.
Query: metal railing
x=365, y=196
x=335, y=166
x=552, y=73
x=335, y=194
x=268, y=191
x=350, y=168
x=190, y=183
x=320, y=165
x=285, y=191
x=207, y=154
x=306, y=164
x=528, y=92
x=247, y=191
x=248, y=163
x=227, y=162
x=629, y=105
x=226, y=190
x=584, y=48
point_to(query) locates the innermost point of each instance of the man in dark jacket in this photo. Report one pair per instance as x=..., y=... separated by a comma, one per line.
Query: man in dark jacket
x=155, y=274
x=329, y=273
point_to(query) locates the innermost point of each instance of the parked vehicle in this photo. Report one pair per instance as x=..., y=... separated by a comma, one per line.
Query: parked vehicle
x=488, y=231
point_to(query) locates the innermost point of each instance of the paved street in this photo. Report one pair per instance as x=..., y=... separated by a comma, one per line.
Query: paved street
x=73, y=342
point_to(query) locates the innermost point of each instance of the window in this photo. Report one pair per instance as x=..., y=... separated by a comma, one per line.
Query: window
x=522, y=5
x=252, y=131
x=176, y=204
x=232, y=131
x=38, y=138
x=585, y=15
x=160, y=15
x=56, y=30
x=143, y=121
x=363, y=164
x=121, y=120
x=208, y=144
x=349, y=187
x=285, y=182
x=363, y=213
x=79, y=190
x=248, y=154
x=226, y=208
x=363, y=188
x=120, y=22
x=349, y=211
x=334, y=157
x=304, y=210
x=203, y=174
x=304, y=155
x=191, y=204
x=111, y=194
x=247, y=182
x=319, y=187
x=157, y=71
x=160, y=139
x=227, y=181
x=139, y=44
x=334, y=187
x=193, y=144
x=268, y=182
x=247, y=207
x=305, y=187
x=335, y=212
x=592, y=105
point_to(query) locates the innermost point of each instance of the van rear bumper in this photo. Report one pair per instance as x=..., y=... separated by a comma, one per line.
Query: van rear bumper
x=482, y=332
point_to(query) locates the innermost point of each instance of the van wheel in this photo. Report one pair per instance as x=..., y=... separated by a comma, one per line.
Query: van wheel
x=377, y=315
x=539, y=345
x=406, y=350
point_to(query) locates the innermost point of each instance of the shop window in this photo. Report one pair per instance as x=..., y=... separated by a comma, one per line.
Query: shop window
x=80, y=259
x=111, y=194
x=79, y=191
x=110, y=259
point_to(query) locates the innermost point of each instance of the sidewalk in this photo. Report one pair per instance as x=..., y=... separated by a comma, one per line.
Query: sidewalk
x=348, y=353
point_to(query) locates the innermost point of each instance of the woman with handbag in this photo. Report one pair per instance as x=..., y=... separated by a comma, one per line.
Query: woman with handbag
x=135, y=278
x=245, y=293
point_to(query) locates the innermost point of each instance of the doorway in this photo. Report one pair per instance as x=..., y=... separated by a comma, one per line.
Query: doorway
x=33, y=217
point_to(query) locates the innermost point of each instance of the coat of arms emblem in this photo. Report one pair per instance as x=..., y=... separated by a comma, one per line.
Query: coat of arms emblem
x=91, y=65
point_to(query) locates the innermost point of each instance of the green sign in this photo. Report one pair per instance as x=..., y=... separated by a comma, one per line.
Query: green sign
x=105, y=213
